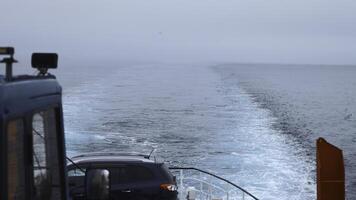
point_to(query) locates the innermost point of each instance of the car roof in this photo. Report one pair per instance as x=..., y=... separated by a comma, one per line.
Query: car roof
x=114, y=158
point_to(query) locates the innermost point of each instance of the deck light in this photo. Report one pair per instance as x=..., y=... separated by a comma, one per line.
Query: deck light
x=44, y=61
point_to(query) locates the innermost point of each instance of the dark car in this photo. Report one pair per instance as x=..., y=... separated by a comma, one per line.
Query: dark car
x=130, y=176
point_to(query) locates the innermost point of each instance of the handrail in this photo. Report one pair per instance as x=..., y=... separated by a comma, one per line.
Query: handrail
x=216, y=176
x=205, y=193
x=206, y=182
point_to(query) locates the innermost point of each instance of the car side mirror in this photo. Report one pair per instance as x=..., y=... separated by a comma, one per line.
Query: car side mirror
x=97, y=184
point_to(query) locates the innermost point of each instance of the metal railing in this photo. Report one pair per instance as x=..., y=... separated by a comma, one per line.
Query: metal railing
x=207, y=186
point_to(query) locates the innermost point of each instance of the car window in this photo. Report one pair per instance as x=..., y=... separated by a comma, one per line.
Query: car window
x=77, y=172
x=129, y=174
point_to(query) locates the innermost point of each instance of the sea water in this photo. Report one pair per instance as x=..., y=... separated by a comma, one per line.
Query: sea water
x=253, y=124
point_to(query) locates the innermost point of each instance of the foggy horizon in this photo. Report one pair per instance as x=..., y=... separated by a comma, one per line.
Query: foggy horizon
x=299, y=32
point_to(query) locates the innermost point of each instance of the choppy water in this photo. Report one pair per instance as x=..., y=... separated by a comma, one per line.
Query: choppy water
x=254, y=124
x=308, y=102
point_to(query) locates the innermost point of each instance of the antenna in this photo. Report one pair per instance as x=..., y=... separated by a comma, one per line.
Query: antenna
x=8, y=61
x=149, y=155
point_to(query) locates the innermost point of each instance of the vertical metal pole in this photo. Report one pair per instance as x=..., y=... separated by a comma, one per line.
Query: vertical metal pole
x=9, y=70
x=181, y=184
x=201, y=182
x=243, y=195
x=210, y=191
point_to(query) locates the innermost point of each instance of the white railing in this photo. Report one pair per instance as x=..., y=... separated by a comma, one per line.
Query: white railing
x=197, y=184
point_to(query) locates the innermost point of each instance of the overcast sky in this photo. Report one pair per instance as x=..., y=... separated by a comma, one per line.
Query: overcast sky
x=277, y=31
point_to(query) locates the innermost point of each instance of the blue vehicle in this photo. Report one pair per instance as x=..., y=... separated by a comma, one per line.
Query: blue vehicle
x=130, y=176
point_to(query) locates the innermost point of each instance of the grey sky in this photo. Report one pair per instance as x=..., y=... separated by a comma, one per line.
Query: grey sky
x=280, y=31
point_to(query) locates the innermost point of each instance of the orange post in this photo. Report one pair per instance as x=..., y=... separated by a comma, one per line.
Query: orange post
x=330, y=171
